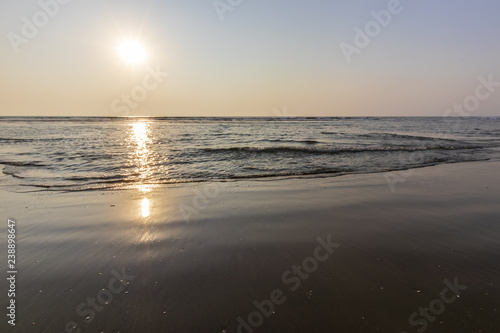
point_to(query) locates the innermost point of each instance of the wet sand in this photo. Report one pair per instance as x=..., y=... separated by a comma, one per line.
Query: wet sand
x=240, y=244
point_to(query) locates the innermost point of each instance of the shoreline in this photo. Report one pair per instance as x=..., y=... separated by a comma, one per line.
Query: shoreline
x=271, y=178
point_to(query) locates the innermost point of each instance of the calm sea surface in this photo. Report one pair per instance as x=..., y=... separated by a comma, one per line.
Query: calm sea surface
x=75, y=154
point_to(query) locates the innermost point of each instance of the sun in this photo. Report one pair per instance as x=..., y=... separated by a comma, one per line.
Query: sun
x=132, y=52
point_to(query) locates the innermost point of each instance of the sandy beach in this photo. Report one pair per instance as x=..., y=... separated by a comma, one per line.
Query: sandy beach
x=232, y=166
x=340, y=254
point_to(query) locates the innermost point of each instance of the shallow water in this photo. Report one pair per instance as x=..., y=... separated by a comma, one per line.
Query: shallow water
x=74, y=154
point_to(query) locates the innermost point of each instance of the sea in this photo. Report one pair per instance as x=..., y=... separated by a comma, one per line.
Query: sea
x=99, y=153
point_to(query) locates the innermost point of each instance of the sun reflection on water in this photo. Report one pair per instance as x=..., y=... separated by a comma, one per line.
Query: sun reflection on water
x=142, y=156
x=141, y=130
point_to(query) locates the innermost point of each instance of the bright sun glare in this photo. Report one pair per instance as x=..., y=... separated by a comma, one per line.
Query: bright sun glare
x=132, y=52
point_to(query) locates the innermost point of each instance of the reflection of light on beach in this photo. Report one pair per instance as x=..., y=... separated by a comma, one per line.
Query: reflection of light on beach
x=145, y=207
x=142, y=158
x=148, y=237
x=149, y=233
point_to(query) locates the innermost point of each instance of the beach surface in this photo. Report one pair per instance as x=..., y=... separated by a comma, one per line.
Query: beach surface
x=340, y=254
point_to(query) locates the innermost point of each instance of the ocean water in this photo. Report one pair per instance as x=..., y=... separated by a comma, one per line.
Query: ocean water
x=85, y=153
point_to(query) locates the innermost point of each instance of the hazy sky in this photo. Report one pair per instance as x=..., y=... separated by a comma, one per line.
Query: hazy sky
x=250, y=57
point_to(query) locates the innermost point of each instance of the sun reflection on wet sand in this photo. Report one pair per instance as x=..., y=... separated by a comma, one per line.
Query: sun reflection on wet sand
x=145, y=207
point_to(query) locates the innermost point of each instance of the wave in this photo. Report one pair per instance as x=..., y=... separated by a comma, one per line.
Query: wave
x=306, y=150
x=23, y=164
x=406, y=136
x=106, y=178
x=131, y=184
x=307, y=142
x=10, y=172
x=14, y=140
x=330, y=133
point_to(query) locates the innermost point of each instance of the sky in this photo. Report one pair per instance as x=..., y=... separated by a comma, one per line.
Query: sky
x=250, y=58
